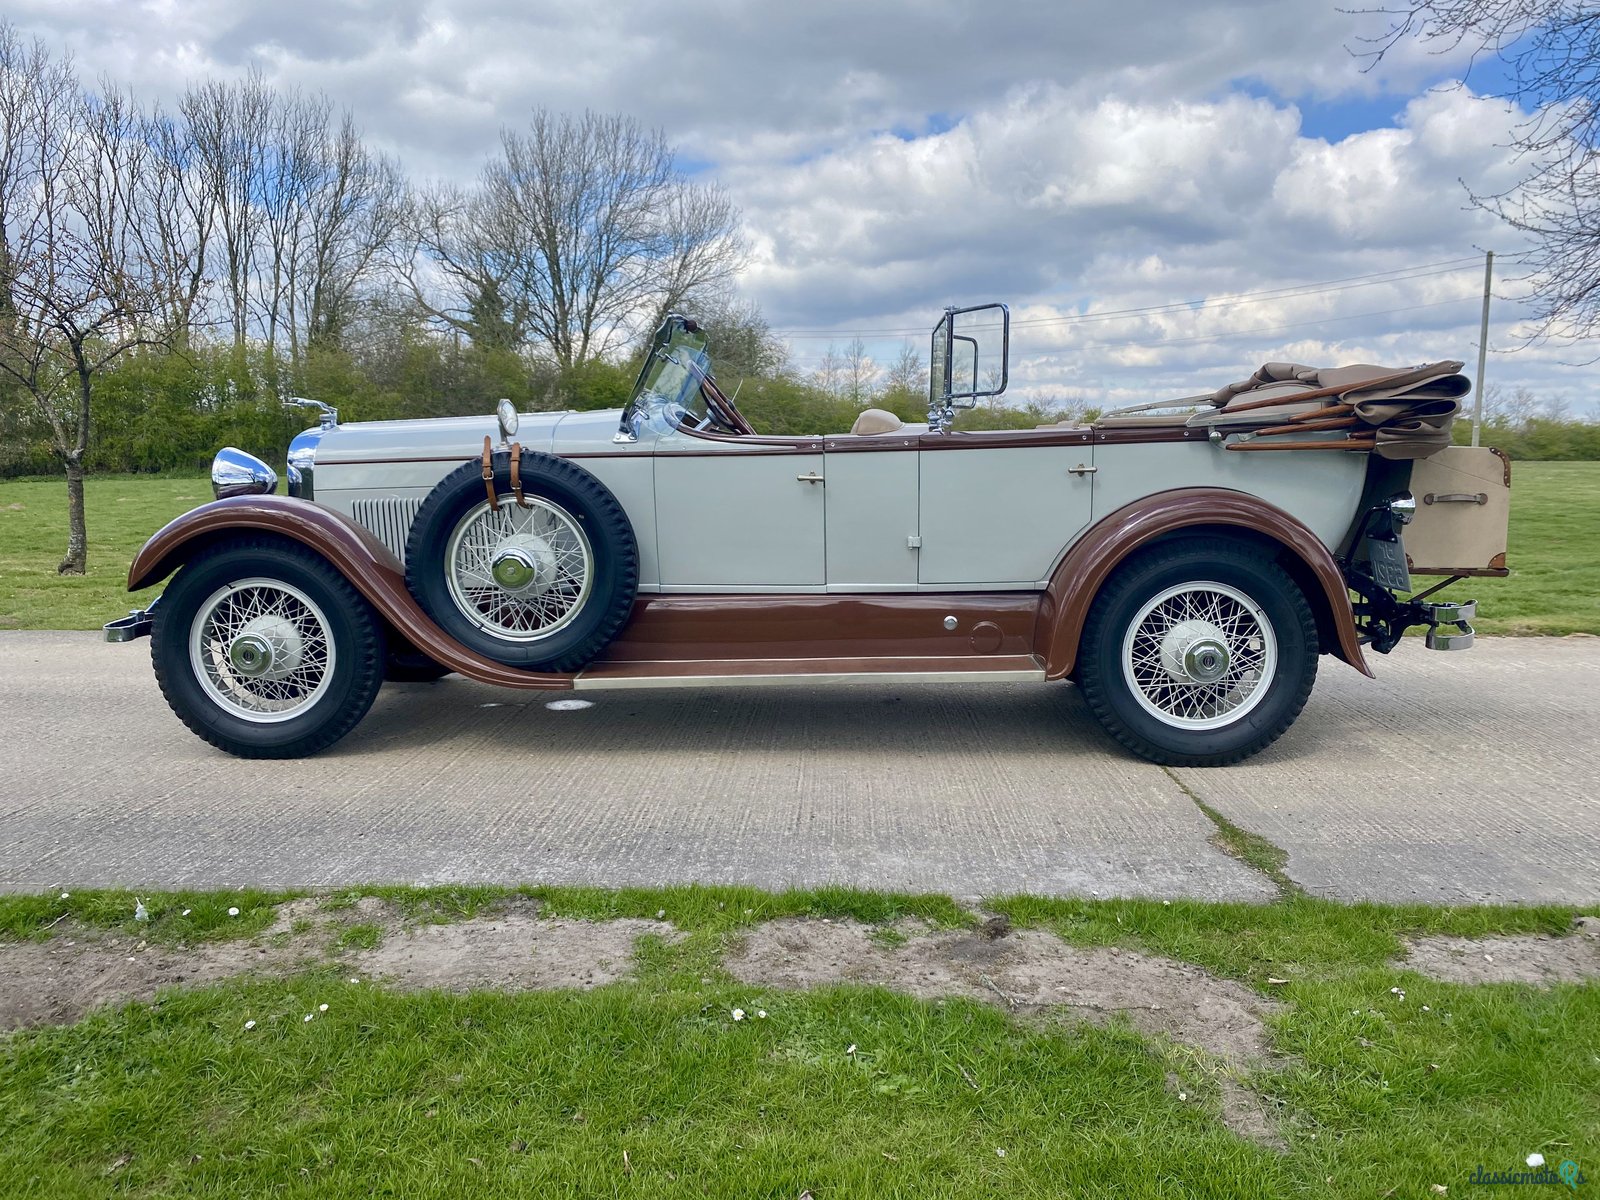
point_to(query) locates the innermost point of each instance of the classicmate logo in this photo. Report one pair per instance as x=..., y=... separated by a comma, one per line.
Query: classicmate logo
x=1537, y=1172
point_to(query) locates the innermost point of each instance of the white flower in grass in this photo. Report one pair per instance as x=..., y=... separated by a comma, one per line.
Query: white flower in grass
x=186, y=912
x=308, y=1017
x=322, y=1008
x=66, y=895
x=249, y=1025
x=738, y=1014
x=762, y=1013
x=999, y=1152
x=233, y=912
x=851, y=1048
x=1536, y=1159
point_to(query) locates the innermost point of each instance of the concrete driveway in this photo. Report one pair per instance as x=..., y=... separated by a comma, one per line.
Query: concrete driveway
x=1452, y=778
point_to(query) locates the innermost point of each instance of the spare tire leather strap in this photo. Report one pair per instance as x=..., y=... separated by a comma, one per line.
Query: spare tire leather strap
x=516, y=474
x=488, y=474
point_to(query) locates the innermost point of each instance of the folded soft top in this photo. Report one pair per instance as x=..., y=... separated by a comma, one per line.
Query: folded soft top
x=1398, y=412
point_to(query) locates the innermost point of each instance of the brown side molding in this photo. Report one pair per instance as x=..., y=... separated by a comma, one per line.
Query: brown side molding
x=1090, y=562
x=366, y=562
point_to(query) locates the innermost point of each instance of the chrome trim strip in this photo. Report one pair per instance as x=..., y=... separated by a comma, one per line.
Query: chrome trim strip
x=583, y=682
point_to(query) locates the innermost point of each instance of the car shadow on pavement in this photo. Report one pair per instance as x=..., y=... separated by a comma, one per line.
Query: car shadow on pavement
x=863, y=719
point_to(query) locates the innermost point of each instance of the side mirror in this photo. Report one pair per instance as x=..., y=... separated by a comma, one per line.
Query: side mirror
x=971, y=359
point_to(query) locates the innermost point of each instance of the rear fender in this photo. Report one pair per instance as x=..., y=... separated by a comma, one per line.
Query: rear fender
x=367, y=563
x=1087, y=566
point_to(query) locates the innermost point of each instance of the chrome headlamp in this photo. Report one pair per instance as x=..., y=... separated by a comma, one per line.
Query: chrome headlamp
x=302, y=460
x=235, y=473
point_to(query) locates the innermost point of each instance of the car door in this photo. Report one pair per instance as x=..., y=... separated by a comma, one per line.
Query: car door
x=999, y=507
x=745, y=514
x=871, y=513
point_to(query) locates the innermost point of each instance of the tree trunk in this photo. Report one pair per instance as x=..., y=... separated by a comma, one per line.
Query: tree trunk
x=78, y=532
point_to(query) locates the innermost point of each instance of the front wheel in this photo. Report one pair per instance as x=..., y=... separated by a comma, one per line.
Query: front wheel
x=265, y=651
x=1198, y=653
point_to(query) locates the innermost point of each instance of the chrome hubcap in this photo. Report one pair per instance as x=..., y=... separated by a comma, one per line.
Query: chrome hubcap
x=524, y=563
x=1195, y=652
x=251, y=655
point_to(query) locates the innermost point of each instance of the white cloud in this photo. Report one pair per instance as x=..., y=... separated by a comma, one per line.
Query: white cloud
x=894, y=157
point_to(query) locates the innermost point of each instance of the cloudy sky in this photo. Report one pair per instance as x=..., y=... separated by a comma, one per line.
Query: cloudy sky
x=1076, y=160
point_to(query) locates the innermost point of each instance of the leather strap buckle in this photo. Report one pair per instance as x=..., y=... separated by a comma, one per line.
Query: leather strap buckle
x=488, y=474
x=516, y=474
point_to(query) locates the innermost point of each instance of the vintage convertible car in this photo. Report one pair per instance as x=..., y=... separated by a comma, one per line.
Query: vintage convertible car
x=1186, y=582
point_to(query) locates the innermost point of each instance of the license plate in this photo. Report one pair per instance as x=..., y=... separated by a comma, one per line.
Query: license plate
x=1388, y=560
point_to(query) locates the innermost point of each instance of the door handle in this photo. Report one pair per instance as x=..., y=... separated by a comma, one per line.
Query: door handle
x=1080, y=469
x=810, y=478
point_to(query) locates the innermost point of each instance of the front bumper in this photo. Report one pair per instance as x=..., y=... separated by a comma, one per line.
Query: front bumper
x=131, y=627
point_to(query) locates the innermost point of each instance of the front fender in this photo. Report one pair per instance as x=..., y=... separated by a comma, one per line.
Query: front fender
x=352, y=551
x=1090, y=561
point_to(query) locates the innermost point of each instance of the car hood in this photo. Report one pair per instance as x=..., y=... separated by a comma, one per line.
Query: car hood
x=461, y=437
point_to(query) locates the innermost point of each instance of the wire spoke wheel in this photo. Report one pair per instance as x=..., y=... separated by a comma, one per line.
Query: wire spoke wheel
x=262, y=649
x=1199, y=656
x=519, y=573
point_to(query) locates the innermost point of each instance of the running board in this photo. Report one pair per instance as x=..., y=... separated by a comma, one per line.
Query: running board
x=699, y=673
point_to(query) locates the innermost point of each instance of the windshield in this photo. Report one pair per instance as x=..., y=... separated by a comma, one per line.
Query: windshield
x=667, y=393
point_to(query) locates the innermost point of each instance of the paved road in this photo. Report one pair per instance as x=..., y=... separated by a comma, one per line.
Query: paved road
x=1452, y=778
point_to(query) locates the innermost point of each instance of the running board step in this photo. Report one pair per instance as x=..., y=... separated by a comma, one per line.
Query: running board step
x=1012, y=668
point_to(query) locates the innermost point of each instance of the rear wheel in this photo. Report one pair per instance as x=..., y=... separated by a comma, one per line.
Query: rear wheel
x=265, y=651
x=1198, y=653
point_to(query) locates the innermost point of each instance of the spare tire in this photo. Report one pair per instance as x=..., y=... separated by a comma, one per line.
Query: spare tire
x=544, y=585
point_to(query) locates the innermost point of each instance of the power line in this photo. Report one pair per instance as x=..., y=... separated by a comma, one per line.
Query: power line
x=1225, y=335
x=1345, y=283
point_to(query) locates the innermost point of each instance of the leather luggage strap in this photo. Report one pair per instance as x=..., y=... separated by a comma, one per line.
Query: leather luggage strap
x=516, y=474
x=488, y=474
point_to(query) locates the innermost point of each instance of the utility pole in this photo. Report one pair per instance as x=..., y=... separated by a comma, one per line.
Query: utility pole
x=1483, y=346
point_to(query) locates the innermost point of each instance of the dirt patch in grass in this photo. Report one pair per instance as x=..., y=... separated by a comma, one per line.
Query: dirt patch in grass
x=56, y=981
x=511, y=951
x=1523, y=958
x=59, y=979
x=1025, y=971
x=1031, y=971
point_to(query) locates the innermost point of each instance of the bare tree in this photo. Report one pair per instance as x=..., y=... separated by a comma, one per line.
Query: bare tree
x=577, y=237
x=860, y=377
x=829, y=374
x=354, y=211
x=907, y=375
x=740, y=340
x=75, y=290
x=1551, y=52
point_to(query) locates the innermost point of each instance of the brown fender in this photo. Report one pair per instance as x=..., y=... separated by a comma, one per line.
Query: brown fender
x=366, y=562
x=1096, y=554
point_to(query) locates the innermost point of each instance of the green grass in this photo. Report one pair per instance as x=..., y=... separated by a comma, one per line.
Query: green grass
x=649, y=1089
x=122, y=511
x=1555, y=550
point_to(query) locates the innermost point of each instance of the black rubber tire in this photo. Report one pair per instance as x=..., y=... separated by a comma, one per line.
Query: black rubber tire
x=588, y=501
x=1133, y=585
x=354, y=627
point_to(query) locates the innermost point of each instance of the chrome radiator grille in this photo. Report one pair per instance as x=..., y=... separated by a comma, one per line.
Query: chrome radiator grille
x=388, y=517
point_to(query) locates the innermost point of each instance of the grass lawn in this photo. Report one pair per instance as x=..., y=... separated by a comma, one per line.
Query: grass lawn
x=122, y=512
x=649, y=1088
x=1554, y=588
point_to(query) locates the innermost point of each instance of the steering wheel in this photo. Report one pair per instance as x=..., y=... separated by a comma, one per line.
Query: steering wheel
x=720, y=410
